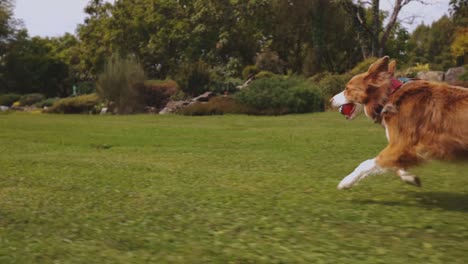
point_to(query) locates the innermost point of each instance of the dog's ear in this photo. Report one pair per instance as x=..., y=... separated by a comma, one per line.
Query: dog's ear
x=381, y=65
x=392, y=67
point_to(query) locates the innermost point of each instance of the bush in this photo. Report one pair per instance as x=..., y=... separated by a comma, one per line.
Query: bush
x=157, y=93
x=86, y=87
x=30, y=99
x=333, y=84
x=228, y=85
x=75, y=105
x=9, y=99
x=216, y=106
x=362, y=66
x=413, y=71
x=194, y=79
x=264, y=74
x=121, y=83
x=249, y=71
x=279, y=95
x=46, y=102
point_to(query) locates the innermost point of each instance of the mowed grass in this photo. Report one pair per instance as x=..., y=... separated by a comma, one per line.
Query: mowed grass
x=221, y=189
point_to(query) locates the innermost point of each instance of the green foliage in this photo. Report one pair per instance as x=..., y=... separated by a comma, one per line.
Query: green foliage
x=413, y=71
x=194, y=78
x=46, y=102
x=333, y=84
x=30, y=99
x=216, y=106
x=431, y=44
x=265, y=74
x=157, y=93
x=121, y=83
x=228, y=85
x=86, y=87
x=459, y=47
x=362, y=66
x=464, y=76
x=30, y=66
x=270, y=61
x=9, y=99
x=83, y=104
x=278, y=95
x=249, y=70
x=179, y=96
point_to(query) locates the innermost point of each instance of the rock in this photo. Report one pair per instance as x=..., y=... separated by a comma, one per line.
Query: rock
x=4, y=108
x=435, y=76
x=205, y=97
x=104, y=111
x=174, y=106
x=451, y=76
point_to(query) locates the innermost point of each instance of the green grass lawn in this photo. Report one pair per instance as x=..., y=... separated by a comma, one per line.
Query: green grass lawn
x=222, y=189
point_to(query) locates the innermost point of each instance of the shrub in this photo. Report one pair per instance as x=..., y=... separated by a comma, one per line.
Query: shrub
x=333, y=84
x=46, y=102
x=228, y=85
x=157, y=93
x=179, y=96
x=362, y=66
x=413, y=71
x=121, y=82
x=278, y=95
x=9, y=99
x=264, y=74
x=75, y=105
x=318, y=77
x=30, y=99
x=249, y=71
x=194, y=79
x=86, y=87
x=216, y=106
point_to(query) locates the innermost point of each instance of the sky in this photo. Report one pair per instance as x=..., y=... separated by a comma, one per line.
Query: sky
x=52, y=18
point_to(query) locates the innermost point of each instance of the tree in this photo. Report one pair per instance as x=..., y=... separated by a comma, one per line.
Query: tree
x=459, y=12
x=376, y=34
x=31, y=67
x=459, y=47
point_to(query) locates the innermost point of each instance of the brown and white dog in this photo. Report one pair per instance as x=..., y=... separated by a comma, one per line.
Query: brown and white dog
x=422, y=120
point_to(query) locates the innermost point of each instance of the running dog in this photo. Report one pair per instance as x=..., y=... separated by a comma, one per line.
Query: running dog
x=423, y=120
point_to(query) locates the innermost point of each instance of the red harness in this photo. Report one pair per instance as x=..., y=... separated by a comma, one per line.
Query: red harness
x=397, y=83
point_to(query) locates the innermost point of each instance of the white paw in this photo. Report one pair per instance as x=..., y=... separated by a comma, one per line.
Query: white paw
x=347, y=183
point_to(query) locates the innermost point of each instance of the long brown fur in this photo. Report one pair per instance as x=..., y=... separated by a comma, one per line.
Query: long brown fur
x=425, y=120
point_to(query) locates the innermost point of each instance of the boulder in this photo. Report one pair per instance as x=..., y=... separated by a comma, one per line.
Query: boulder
x=174, y=106
x=104, y=111
x=451, y=76
x=435, y=76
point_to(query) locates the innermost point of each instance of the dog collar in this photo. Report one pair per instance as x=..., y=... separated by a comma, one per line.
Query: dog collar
x=397, y=83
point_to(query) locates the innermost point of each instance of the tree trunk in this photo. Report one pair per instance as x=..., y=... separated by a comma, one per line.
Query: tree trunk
x=375, y=26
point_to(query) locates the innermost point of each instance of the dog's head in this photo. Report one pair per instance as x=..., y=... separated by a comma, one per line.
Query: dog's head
x=365, y=89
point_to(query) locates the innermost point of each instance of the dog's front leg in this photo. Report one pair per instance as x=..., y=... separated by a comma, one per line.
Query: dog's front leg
x=367, y=168
x=408, y=177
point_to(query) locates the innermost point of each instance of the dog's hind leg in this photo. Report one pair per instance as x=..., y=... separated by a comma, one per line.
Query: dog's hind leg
x=365, y=169
x=409, y=178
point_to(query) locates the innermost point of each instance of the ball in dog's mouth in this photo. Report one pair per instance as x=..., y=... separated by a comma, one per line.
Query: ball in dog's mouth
x=347, y=110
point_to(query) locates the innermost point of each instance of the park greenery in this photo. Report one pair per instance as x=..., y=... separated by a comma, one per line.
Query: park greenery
x=216, y=45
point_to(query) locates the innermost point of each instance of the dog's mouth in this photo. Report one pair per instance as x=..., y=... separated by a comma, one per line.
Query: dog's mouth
x=348, y=110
